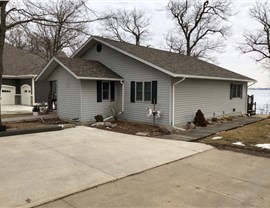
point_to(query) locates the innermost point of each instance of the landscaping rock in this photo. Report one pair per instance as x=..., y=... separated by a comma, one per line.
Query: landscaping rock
x=142, y=133
x=99, y=124
x=190, y=126
x=113, y=125
x=166, y=129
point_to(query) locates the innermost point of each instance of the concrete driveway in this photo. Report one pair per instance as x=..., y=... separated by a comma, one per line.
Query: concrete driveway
x=42, y=167
x=211, y=179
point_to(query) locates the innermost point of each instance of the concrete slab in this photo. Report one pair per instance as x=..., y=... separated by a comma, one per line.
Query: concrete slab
x=41, y=167
x=14, y=109
x=211, y=179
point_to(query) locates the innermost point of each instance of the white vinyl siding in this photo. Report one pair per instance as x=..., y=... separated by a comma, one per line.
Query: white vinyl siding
x=210, y=96
x=132, y=70
x=68, y=94
x=90, y=106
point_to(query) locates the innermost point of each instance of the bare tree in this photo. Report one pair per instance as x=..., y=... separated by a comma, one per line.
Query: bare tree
x=200, y=27
x=258, y=41
x=12, y=16
x=65, y=26
x=127, y=25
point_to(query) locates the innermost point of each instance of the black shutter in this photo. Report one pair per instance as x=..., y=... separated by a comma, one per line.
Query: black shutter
x=231, y=91
x=154, y=92
x=99, y=91
x=132, y=92
x=112, y=90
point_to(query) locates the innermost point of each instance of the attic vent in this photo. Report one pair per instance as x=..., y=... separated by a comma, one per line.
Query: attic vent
x=99, y=47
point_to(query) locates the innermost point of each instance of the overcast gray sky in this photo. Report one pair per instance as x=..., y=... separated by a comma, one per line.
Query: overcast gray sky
x=231, y=59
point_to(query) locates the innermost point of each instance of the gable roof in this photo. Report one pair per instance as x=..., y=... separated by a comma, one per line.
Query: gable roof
x=20, y=63
x=79, y=69
x=173, y=64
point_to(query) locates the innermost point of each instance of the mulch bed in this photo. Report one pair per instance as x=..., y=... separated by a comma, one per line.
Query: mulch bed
x=32, y=124
x=128, y=127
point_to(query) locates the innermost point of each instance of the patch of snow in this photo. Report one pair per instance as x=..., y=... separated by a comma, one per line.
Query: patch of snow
x=239, y=144
x=264, y=146
x=217, y=137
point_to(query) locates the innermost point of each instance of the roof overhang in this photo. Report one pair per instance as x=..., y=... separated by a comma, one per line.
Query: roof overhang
x=91, y=41
x=27, y=76
x=215, y=78
x=54, y=62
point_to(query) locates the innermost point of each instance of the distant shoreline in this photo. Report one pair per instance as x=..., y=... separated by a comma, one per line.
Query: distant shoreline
x=258, y=88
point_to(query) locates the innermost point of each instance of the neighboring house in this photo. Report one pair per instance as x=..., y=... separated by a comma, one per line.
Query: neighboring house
x=105, y=71
x=20, y=71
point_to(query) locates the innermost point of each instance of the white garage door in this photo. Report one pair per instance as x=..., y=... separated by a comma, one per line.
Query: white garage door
x=8, y=95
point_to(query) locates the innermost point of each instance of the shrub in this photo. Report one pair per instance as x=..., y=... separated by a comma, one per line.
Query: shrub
x=99, y=118
x=214, y=119
x=36, y=108
x=199, y=119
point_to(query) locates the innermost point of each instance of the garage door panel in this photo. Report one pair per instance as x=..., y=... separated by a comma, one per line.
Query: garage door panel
x=8, y=95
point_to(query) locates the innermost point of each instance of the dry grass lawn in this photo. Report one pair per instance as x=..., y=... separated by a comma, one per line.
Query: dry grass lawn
x=249, y=135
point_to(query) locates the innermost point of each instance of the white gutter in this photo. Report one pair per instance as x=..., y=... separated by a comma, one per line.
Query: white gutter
x=123, y=94
x=173, y=102
x=213, y=78
x=251, y=84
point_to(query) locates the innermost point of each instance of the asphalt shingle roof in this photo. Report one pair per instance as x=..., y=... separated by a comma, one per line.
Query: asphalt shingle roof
x=174, y=62
x=88, y=68
x=18, y=62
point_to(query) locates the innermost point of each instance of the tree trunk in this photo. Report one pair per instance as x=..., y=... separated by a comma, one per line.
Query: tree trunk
x=50, y=97
x=2, y=44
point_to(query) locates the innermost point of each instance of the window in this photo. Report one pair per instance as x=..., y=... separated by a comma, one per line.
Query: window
x=143, y=91
x=147, y=91
x=236, y=90
x=139, y=91
x=105, y=90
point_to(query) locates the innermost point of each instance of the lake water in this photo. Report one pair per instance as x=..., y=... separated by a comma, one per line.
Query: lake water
x=262, y=99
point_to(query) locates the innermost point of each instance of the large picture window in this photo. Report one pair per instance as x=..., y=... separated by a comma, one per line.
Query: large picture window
x=143, y=91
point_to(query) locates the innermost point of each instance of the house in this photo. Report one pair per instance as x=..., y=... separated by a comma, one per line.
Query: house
x=104, y=71
x=18, y=83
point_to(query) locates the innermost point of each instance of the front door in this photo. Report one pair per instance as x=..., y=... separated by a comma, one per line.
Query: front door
x=26, y=94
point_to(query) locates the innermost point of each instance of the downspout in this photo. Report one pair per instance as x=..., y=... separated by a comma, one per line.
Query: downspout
x=173, y=102
x=123, y=93
x=33, y=91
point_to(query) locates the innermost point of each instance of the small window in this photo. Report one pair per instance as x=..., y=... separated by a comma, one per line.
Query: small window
x=139, y=91
x=236, y=90
x=105, y=90
x=147, y=91
x=99, y=48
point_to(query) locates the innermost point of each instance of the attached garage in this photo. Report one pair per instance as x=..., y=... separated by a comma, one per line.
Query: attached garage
x=8, y=95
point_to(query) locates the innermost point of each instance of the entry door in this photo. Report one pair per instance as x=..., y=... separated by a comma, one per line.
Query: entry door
x=26, y=94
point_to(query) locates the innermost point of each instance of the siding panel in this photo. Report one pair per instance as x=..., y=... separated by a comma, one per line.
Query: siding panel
x=90, y=106
x=132, y=70
x=68, y=94
x=210, y=96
